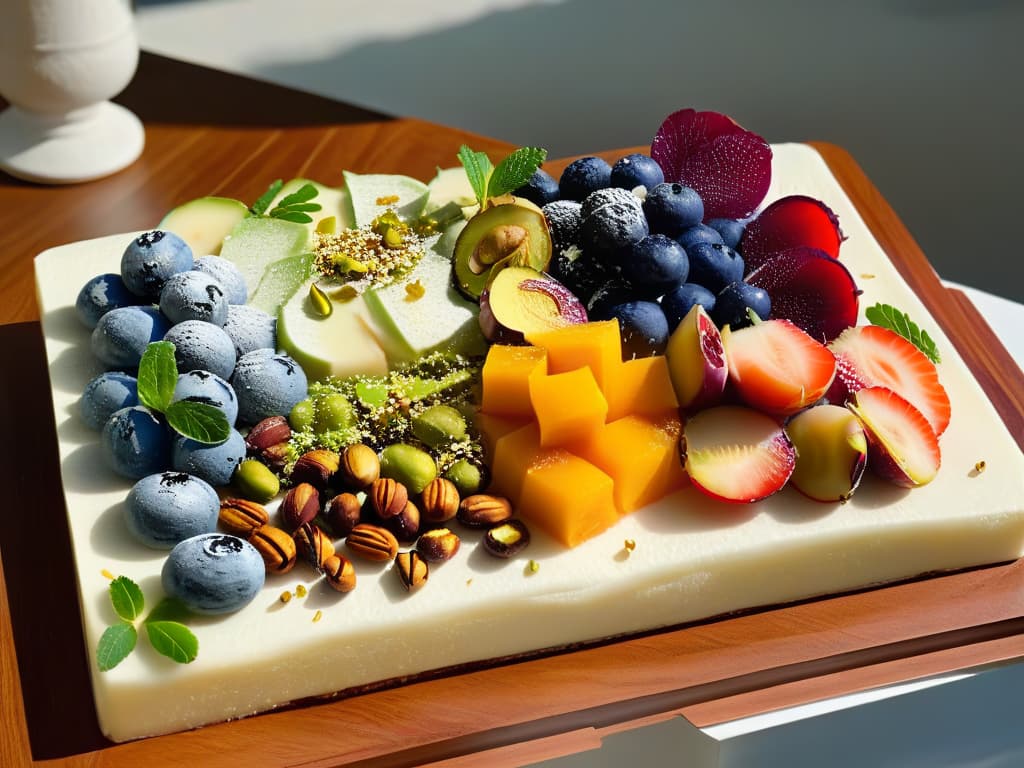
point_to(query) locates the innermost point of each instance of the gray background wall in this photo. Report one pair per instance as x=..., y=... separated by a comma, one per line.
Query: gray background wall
x=927, y=95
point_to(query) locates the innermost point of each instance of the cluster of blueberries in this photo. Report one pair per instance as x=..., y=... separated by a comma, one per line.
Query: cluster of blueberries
x=636, y=249
x=226, y=357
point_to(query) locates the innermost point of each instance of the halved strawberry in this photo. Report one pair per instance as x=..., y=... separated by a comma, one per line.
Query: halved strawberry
x=790, y=222
x=869, y=355
x=902, y=447
x=776, y=367
x=736, y=454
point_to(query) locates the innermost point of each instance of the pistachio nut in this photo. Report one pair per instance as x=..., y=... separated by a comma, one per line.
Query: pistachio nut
x=313, y=544
x=438, y=545
x=388, y=497
x=439, y=501
x=371, y=542
x=300, y=505
x=406, y=524
x=340, y=573
x=359, y=467
x=439, y=424
x=412, y=570
x=468, y=477
x=316, y=467
x=276, y=548
x=344, y=512
x=241, y=517
x=409, y=465
x=271, y=431
x=483, y=510
x=255, y=481
x=507, y=539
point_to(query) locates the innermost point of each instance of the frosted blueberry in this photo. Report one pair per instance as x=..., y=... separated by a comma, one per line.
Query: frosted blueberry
x=213, y=463
x=122, y=335
x=200, y=346
x=267, y=384
x=194, y=295
x=100, y=295
x=209, y=388
x=150, y=259
x=250, y=329
x=135, y=443
x=105, y=394
x=165, y=508
x=227, y=274
x=213, y=573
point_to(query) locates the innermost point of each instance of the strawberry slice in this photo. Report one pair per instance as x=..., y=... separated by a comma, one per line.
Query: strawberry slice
x=776, y=367
x=869, y=355
x=790, y=222
x=734, y=453
x=902, y=447
x=728, y=166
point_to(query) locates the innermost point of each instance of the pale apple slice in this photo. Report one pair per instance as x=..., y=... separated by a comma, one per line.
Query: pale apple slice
x=371, y=194
x=696, y=360
x=831, y=452
x=333, y=201
x=204, y=223
x=902, y=446
x=451, y=187
x=258, y=241
x=737, y=454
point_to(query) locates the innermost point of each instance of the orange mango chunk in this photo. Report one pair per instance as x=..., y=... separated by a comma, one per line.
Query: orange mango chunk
x=569, y=406
x=493, y=428
x=596, y=346
x=642, y=386
x=514, y=453
x=641, y=455
x=568, y=498
x=505, y=379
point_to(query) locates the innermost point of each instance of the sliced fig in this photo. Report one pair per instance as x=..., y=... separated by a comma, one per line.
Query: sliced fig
x=696, y=361
x=521, y=300
x=790, y=222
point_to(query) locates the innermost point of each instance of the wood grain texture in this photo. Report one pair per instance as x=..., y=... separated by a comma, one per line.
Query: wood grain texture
x=211, y=133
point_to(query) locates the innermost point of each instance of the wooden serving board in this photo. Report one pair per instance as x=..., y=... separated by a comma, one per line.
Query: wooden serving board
x=513, y=712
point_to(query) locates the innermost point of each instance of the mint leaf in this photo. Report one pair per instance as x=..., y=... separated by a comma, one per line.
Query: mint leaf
x=478, y=171
x=169, y=609
x=887, y=316
x=515, y=170
x=295, y=207
x=303, y=194
x=116, y=642
x=173, y=640
x=198, y=421
x=158, y=375
x=260, y=206
x=127, y=599
x=297, y=217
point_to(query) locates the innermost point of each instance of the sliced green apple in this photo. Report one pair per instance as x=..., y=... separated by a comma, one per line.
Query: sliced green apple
x=451, y=185
x=257, y=242
x=281, y=280
x=203, y=223
x=367, y=189
x=342, y=344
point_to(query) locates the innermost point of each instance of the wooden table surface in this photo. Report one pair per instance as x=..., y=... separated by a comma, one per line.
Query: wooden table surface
x=213, y=133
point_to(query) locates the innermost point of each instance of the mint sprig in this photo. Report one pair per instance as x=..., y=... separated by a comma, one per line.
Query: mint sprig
x=259, y=208
x=158, y=376
x=887, y=316
x=168, y=636
x=292, y=207
x=511, y=173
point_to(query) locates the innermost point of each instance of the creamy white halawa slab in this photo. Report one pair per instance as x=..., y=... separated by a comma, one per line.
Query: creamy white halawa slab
x=694, y=557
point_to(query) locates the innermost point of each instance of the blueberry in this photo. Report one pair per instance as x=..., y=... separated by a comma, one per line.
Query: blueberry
x=583, y=176
x=540, y=190
x=267, y=384
x=194, y=295
x=612, y=220
x=714, y=265
x=227, y=274
x=213, y=463
x=213, y=573
x=205, y=387
x=731, y=230
x=135, y=443
x=105, y=394
x=643, y=328
x=150, y=259
x=200, y=346
x=654, y=265
x=100, y=295
x=637, y=170
x=678, y=302
x=169, y=507
x=735, y=299
x=250, y=329
x=563, y=217
x=580, y=273
x=606, y=297
x=122, y=335
x=671, y=208
x=699, y=233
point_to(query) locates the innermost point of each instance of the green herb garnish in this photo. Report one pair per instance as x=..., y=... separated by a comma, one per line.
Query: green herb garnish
x=511, y=173
x=294, y=207
x=158, y=375
x=168, y=637
x=889, y=317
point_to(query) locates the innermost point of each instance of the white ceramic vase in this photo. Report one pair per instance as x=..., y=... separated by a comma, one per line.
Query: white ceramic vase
x=60, y=62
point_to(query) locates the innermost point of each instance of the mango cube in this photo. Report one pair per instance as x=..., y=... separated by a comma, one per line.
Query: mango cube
x=568, y=498
x=514, y=453
x=642, y=386
x=569, y=406
x=596, y=346
x=641, y=455
x=505, y=379
x=493, y=428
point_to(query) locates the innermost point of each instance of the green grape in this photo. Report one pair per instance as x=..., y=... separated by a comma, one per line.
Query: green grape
x=302, y=415
x=334, y=411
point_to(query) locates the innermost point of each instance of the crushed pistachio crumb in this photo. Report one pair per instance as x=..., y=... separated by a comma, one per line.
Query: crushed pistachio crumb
x=979, y=467
x=300, y=591
x=107, y=574
x=387, y=200
x=629, y=545
x=286, y=596
x=317, y=616
x=533, y=566
x=414, y=290
x=374, y=254
x=867, y=275
x=468, y=582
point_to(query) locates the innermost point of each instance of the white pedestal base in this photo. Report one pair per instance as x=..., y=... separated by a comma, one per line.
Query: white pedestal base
x=64, y=149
